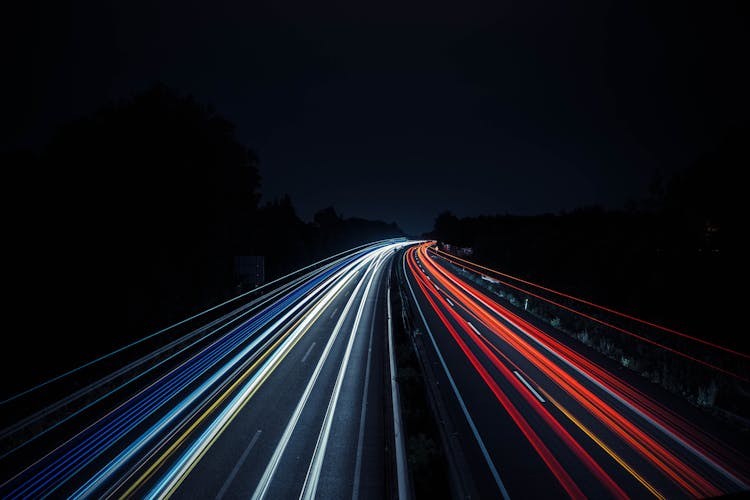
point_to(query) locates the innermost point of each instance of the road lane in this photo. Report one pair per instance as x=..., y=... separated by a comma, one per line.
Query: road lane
x=589, y=438
x=295, y=389
x=288, y=399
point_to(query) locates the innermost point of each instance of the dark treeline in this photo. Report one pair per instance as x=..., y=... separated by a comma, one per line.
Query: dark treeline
x=130, y=219
x=669, y=258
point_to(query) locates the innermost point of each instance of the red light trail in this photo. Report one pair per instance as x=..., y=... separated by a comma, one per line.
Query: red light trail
x=452, y=299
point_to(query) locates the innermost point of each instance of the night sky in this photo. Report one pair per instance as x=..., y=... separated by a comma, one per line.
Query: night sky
x=400, y=110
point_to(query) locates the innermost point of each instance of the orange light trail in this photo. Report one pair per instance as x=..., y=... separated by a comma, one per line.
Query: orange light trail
x=584, y=301
x=662, y=416
x=558, y=471
x=470, y=299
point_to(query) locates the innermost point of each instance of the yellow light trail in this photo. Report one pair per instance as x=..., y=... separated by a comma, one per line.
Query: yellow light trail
x=603, y=446
x=160, y=461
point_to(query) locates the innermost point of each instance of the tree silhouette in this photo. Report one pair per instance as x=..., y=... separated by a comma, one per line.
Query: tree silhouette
x=327, y=218
x=448, y=228
x=130, y=220
x=673, y=255
x=162, y=169
x=151, y=197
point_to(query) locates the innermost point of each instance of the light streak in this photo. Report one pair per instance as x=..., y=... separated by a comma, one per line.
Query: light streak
x=587, y=302
x=218, y=360
x=474, y=303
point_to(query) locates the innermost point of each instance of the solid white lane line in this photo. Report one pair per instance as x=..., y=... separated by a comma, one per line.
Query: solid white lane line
x=464, y=409
x=169, y=419
x=236, y=469
x=528, y=386
x=708, y=461
x=363, y=413
x=313, y=472
x=265, y=481
x=308, y=352
x=172, y=478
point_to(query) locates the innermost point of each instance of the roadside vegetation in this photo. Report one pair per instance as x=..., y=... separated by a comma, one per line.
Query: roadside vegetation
x=426, y=457
x=718, y=393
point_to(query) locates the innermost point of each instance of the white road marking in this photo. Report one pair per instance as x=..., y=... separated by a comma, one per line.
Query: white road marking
x=613, y=394
x=262, y=488
x=236, y=469
x=464, y=409
x=310, y=486
x=363, y=414
x=308, y=352
x=528, y=386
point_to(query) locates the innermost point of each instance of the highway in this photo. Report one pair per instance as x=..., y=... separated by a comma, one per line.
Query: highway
x=288, y=403
x=533, y=418
x=293, y=394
